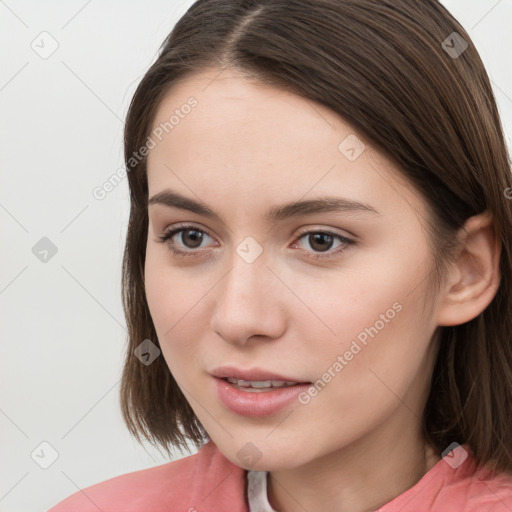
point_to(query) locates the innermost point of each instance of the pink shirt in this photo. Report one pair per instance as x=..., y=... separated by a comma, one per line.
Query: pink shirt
x=208, y=482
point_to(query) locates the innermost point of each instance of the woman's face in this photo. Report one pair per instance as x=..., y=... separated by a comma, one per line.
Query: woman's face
x=308, y=263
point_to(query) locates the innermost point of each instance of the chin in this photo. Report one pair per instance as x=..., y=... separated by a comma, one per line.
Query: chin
x=264, y=455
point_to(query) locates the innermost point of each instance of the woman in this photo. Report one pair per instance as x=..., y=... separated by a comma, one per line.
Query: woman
x=317, y=269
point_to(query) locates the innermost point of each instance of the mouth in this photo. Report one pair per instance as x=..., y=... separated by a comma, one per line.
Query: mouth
x=254, y=377
x=255, y=392
x=259, y=386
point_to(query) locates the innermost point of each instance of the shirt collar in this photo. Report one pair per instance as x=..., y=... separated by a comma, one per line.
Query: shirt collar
x=257, y=491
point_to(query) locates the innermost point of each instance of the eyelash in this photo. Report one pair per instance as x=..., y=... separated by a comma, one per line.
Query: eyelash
x=165, y=238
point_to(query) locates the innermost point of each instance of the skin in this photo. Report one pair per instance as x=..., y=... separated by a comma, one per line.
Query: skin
x=245, y=148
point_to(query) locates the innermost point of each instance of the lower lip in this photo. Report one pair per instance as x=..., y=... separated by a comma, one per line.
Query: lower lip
x=257, y=404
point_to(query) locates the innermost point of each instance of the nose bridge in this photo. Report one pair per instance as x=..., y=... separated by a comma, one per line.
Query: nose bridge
x=244, y=304
x=244, y=283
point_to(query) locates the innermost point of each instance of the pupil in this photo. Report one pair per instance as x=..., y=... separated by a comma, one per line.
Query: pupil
x=320, y=238
x=194, y=235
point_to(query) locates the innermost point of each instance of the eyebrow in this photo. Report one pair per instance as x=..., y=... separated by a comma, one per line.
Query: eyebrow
x=277, y=213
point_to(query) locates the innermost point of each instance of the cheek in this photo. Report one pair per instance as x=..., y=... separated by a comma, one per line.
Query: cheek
x=173, y=302
x=380, y=351
x=372, y=318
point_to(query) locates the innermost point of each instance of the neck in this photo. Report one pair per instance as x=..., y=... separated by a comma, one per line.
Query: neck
x=358, y=478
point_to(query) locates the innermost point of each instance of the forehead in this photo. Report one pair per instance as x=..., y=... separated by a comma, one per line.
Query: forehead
x=244, y=135
x=242, y=114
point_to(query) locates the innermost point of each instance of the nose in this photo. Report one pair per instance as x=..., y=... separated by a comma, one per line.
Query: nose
x=248, y=303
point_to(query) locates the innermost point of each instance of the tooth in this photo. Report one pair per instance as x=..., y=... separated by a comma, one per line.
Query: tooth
x=261, y=383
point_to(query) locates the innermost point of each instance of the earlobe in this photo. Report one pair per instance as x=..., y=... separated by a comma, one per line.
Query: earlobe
x=475, y=275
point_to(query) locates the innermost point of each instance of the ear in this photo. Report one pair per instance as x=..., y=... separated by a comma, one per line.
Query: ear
x=474, y=278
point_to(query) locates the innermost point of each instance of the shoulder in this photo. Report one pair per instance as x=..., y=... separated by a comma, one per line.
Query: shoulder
x=457, y=484
x=203, y=481
x=488, y=491
x=472, y=487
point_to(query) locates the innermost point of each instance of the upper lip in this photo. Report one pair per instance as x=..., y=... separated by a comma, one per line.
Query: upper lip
x=251, y=374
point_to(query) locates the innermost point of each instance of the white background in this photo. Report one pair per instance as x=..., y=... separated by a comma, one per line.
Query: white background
x=62, y=328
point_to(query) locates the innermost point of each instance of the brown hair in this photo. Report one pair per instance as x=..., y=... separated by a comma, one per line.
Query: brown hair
x=384, y=66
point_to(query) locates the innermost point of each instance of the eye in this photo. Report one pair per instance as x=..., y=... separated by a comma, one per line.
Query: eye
x=187, y=240
x=322, y=242
x=190, y=238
